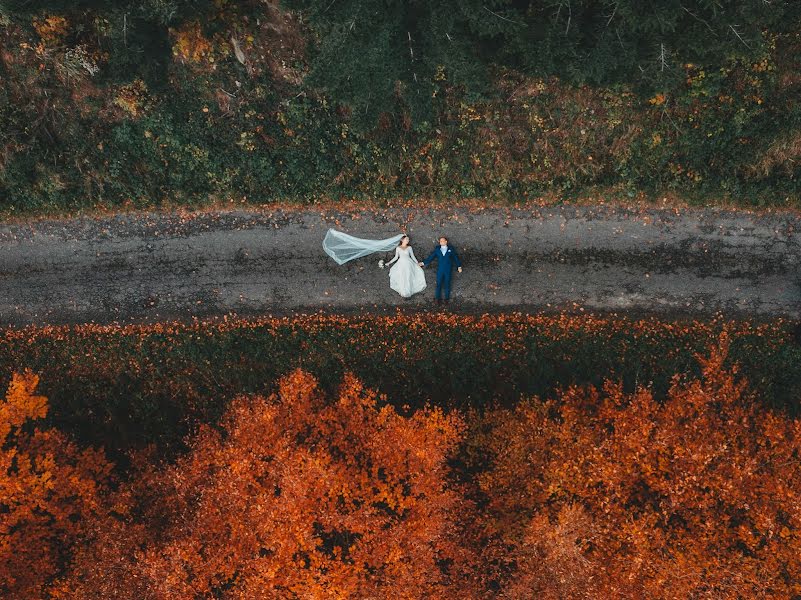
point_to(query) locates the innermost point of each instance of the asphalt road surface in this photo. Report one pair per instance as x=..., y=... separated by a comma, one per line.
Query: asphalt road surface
x=150, y=267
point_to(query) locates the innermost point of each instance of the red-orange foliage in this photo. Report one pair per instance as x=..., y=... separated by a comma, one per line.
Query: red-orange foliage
x=49, y=490
x=609, y=495
x=191, y=46
x=51, y=29
x=595, y=494
x=294, y=496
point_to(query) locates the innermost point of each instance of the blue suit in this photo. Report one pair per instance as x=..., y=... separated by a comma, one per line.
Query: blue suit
x=444, y=269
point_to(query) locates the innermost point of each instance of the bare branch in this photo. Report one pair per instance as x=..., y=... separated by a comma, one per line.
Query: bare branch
x=617, y=33
x=504, y=18
x=665, y=113
x=612, y=16
x=569, y=16
x=697, y=18
x=739, y=37
x=240, y=56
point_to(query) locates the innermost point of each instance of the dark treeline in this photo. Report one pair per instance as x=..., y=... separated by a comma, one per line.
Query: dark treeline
x=123, y=387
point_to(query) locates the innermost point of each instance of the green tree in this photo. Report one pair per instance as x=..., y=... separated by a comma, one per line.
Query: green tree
x=373, y=54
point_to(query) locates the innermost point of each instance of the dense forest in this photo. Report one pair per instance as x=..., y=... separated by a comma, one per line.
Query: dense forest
x=593, y=494
x=188, y=102
x=549, y=457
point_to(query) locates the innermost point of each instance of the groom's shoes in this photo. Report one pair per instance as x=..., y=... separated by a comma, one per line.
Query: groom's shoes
x=439, y=302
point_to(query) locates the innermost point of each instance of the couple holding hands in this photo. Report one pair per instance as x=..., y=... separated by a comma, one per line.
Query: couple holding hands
x=406, y=275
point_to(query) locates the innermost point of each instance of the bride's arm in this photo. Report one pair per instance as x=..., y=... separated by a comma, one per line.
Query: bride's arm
x=397, y=256
x=411, y=255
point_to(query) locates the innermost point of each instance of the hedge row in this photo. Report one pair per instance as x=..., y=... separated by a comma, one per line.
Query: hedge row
x=125, y=386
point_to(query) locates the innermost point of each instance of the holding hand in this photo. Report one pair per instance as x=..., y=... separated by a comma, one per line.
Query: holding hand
x=420, y=264
x=460, y=269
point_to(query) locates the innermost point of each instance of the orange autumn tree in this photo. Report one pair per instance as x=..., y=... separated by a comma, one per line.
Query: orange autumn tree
x=614, y=495
x=295, y=495
x=49, y=489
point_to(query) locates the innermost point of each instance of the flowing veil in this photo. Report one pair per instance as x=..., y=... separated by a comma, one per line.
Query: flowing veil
x=343, y=247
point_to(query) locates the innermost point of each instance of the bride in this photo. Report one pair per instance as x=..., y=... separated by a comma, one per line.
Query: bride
x=405, y=277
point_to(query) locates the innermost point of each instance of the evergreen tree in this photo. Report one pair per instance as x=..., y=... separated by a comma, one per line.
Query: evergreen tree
x=372, y=54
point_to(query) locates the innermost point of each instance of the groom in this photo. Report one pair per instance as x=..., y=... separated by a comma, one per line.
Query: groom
x=446, y=257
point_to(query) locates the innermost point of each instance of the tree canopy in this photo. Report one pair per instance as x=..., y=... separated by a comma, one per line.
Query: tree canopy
x=307, y=493
x=371, y=54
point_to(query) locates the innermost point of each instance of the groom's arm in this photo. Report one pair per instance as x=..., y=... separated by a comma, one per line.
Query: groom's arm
x=431, y=257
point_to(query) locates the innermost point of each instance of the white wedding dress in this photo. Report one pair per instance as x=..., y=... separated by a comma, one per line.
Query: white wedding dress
x=406, y=277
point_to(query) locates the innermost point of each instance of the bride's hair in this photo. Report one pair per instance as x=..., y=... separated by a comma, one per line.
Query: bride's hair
x=400, y=241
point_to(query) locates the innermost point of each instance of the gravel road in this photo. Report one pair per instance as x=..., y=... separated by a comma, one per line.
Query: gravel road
x=149, y=267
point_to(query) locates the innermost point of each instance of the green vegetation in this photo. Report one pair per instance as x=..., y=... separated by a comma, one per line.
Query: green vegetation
x=141, y=104
x=372, y=53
